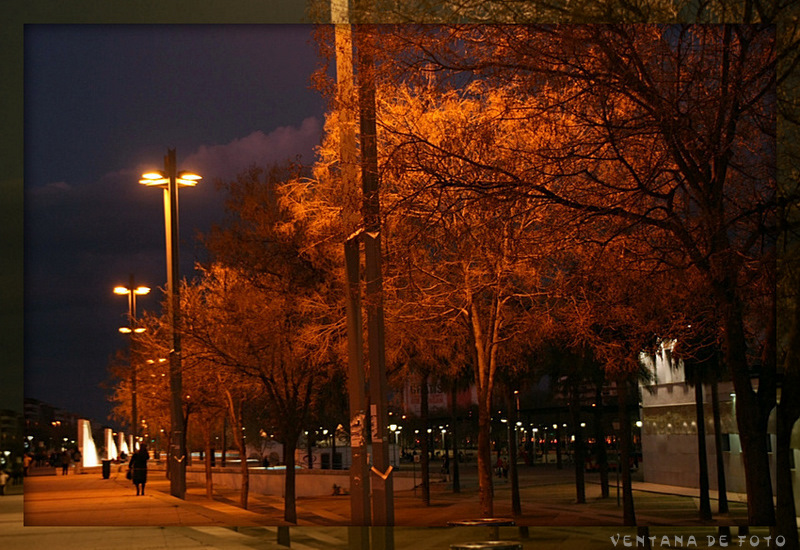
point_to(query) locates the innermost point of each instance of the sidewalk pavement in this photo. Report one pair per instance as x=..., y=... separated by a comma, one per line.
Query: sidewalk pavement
x=547, y=496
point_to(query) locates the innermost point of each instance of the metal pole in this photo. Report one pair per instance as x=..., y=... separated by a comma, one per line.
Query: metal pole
x=382, y=479
x=132, y=325
x=177, y=452
x=358, y=534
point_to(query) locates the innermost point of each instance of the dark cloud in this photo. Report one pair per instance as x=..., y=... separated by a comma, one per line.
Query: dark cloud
x=103, y=104
x=225, y=161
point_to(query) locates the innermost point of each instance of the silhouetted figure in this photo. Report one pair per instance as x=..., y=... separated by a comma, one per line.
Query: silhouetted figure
x=138, y=468
x=65, y=460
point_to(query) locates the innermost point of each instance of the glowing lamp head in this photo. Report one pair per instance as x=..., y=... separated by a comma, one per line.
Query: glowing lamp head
x=154, y=179
x=139, y=290
x=157, y=178
x=188, y=178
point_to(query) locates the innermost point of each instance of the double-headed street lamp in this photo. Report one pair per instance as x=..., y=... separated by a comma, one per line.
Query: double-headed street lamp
x=132, y=291
x=170, y=180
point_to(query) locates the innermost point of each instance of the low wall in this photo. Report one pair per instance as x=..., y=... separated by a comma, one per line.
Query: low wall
x=309, y=483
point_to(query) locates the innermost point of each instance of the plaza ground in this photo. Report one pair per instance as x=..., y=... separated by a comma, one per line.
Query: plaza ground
x=112, y=516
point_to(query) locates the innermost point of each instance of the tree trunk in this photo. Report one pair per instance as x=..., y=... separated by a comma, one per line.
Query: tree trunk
x=705, y=500
x=787, y=414
x=760, y=510
x=445, y=457
x=333, y=449
x=721, y=484
x=559, y=459
x=485, y=357
x=185, y=452
x=284, y=537
x=424, y=440
x=530, y=454
x=245, y=489
x=209, y=478
x=224, y=441
x=238, y=438
x=485, y=458
x=290, y=494
x=750, y=414
x=786, y=523
x=310, y=440
x=600, y=440
x=516, y=506
x=629, y=515
x=580, y=460
x=454, y=422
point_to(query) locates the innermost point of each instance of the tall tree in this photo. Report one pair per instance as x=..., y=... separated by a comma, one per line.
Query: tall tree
x=665, y=127
x=468, y=260
x=698, y=350
x=274, y=294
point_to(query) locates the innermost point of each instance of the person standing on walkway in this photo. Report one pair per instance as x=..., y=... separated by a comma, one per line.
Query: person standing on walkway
x=65, y=459
x=3, y=480
x=138, y=468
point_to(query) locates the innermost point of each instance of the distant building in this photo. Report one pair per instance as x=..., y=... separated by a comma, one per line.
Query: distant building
x=11, y=434
x=439, y=398
x=669, y=430
x=48, y=427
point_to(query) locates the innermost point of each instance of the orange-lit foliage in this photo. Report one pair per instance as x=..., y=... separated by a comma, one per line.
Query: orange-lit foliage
x=662, y=135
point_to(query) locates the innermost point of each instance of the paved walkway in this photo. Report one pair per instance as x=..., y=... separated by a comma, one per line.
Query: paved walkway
x=53, y=502
x=547, y=496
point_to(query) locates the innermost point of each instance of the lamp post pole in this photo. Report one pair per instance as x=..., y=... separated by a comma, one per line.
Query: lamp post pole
x=358, y=534
x=169, y=180
x=132, y=290
x=177, y=450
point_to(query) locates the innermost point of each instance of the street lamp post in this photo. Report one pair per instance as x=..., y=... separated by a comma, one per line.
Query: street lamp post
x=395, y=429
x=169, y=180
x=132, y=291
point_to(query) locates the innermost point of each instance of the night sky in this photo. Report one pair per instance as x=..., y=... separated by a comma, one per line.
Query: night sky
x=103, y=103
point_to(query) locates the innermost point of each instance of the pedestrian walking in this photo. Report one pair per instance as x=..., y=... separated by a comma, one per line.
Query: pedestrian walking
x=26, y=464
x=3, y=480
x=137, y=469
x=65, y=460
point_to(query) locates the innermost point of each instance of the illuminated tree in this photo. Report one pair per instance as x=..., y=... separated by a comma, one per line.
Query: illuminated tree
x=453, y=256
x=268, y=307
x=663, y=128
x=554, y=11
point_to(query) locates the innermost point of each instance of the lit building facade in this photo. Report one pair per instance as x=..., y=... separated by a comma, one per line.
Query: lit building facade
x=669, y=431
